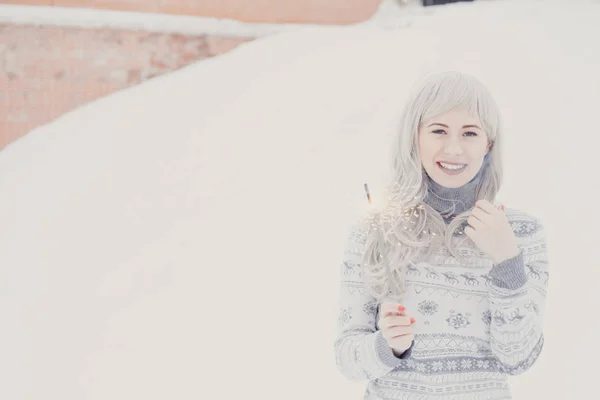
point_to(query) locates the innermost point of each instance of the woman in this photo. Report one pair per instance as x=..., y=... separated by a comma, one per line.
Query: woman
x=442, y=291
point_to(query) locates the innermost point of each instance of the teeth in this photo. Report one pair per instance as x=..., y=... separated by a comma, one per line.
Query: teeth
x=450, y=166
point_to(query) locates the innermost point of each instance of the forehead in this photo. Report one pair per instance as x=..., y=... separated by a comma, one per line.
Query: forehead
x=460, y=116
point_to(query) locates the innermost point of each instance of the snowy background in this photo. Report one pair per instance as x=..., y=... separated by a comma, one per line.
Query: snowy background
x=182, y=238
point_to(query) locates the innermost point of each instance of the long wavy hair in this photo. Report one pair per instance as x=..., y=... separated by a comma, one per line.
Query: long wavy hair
x=406, y=229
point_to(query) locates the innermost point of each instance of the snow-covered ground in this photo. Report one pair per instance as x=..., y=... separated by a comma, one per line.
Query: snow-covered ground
x=181, y=239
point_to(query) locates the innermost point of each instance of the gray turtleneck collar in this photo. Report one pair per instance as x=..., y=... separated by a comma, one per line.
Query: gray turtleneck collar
x=450, y=202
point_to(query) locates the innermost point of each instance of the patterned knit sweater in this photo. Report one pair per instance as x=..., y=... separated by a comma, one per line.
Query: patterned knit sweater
x=476, y=324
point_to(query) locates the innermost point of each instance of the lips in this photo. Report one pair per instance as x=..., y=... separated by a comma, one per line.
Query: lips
x=451, y=162
x=451, y=171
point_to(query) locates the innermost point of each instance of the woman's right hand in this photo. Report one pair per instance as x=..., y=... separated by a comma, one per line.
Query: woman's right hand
x=396, y=327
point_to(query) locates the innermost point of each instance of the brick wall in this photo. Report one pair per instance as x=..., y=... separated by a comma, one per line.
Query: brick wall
x=47, y=71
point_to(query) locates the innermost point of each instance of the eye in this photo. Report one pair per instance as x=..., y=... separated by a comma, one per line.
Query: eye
x=440, y=131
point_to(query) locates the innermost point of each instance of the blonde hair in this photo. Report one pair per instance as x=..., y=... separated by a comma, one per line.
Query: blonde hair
x=407, y=229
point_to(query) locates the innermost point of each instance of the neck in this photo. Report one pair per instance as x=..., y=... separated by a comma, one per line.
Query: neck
x=450, y=202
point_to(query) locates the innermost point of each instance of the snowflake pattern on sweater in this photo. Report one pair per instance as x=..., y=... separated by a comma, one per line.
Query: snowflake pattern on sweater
x=476, y=324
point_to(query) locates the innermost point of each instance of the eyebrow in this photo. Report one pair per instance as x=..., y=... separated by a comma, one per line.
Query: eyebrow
x=446, y=126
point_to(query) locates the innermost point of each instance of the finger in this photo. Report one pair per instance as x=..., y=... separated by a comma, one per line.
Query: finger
x=474, y=223
x=400, y=331
x=470, y=232
x=402, y=342
x=392, y=321
x=389, y=308
x=486, y=206
x=481, y=215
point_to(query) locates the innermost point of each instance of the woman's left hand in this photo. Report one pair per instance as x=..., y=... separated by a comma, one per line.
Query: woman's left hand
x=490, y=231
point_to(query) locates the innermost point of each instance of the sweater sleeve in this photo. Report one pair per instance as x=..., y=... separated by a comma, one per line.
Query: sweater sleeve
x=361, y=351
x=517, y=303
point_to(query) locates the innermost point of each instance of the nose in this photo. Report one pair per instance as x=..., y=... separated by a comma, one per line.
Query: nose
x=452, y=146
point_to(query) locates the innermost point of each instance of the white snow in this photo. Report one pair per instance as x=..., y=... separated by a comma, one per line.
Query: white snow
x=181, y=239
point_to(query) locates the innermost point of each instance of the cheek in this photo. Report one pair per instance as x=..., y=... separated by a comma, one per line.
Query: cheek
x=476, y=151
x=427, y=150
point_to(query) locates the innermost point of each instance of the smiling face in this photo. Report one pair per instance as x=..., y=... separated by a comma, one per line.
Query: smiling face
x=452, y=140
